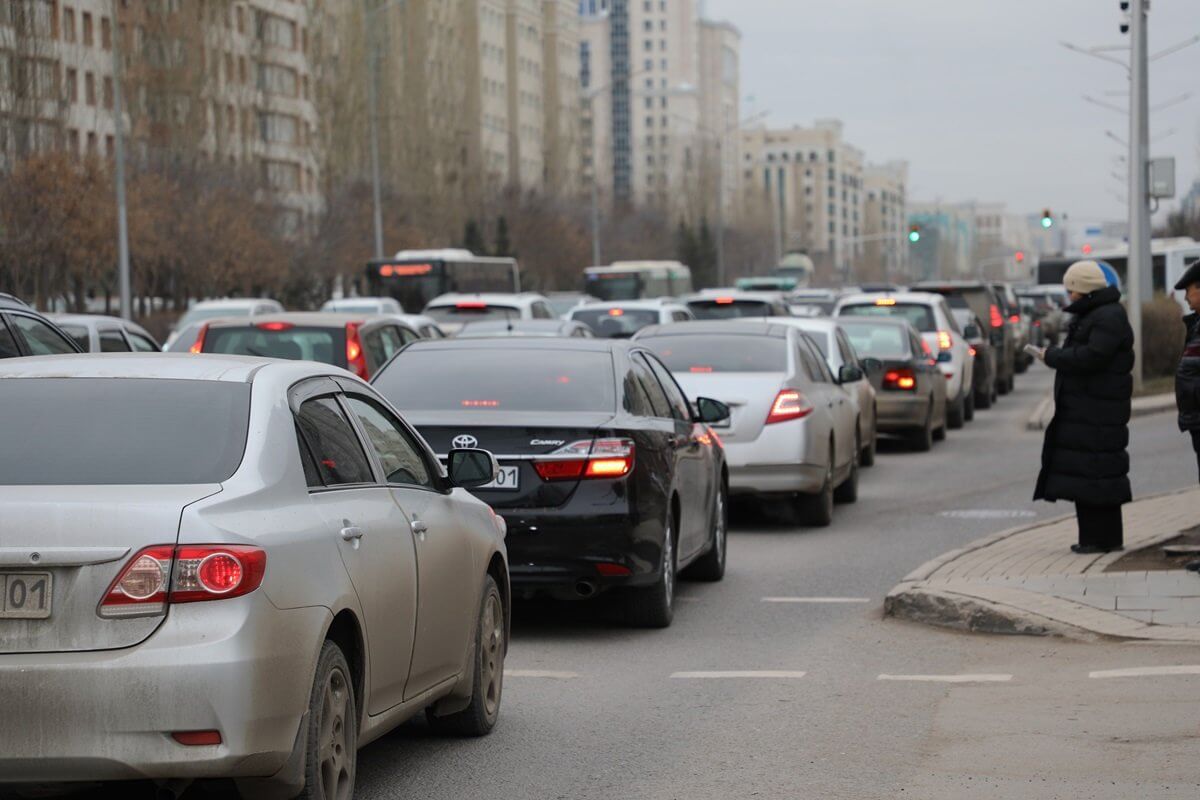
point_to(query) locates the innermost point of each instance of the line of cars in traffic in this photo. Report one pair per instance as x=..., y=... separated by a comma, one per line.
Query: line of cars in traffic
x=315, y=530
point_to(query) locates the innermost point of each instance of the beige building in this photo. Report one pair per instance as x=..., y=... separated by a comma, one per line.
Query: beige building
x=808, y=183
x=885, y=225
x=720, y=113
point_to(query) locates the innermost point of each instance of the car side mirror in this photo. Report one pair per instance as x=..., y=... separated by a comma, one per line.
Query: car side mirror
x=872, y=365
x=971, y=331
x=471, y=469
x=849, y=373
x=711, y=411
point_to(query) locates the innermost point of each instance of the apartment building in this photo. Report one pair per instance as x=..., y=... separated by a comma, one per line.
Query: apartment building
x=644, y=64
x=885, y=228
x=720, y=112
x=214, y=78
x=809, y=185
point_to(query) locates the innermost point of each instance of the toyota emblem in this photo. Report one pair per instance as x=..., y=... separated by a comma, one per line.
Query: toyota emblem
x=464, y=441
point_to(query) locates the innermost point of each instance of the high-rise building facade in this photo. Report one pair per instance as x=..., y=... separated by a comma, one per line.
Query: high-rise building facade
x=885, y=229
x=720, y=113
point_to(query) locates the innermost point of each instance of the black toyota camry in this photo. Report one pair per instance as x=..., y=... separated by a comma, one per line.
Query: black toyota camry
x=609, y=477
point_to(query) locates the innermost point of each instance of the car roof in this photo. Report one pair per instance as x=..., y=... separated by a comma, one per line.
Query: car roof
x=870, y=320
x=313, y=319
x=491, y=298
x=911, y=298
x=709, y=327
x=519, y=343
x=956, y=284
x=370, y=299
x=646, y=304
x=233, y=302
x=823, y=324
x=12, y=301
x=710, y=295
x=159, y=366
x=522, y=325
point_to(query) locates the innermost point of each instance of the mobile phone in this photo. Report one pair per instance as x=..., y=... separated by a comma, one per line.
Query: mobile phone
x=1036, y=352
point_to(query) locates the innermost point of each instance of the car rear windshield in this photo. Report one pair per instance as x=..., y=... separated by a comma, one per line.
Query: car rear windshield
x=94, y=431
x=878, y=341
x=278, y=340
x=615, y=323
x=202, y=314
x=470, y=312
x=733, y=309
x=919, y=316
x=521, y=379
x=724, y=353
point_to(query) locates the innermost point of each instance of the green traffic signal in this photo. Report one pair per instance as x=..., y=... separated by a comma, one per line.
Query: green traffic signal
x=1047, y=219
x=914, y=234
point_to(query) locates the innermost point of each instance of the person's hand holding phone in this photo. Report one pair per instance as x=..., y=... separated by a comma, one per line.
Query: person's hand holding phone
x=1037, y=352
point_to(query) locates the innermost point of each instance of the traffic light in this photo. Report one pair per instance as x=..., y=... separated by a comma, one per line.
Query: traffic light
x=914, y=233
x=1047, y=219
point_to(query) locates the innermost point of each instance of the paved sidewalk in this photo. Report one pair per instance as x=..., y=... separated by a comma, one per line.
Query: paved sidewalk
x=1027, y=580
x=1043, y=412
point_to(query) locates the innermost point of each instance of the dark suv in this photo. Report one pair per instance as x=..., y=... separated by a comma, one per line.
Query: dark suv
x=982, y=299
x=25, y=332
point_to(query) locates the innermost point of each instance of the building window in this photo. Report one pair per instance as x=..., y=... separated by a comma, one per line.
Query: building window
x=108, y=92
x=87, y=37
x=72, y=87
x=69, y=36
x=89, y=88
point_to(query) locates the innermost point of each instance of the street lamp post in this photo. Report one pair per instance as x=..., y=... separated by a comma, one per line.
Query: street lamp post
x=1140, y=258
x=372, y=53
x=123, y=280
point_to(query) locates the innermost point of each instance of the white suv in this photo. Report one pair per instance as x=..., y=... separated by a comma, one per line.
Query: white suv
x=931, y=316
x=452, y=311
x=621, y=319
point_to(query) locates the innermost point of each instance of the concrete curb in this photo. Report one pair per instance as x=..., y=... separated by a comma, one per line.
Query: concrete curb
x=1043, y=412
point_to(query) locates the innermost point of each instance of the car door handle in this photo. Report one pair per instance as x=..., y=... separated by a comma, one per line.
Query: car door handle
x=419, y=527
x=351, y=533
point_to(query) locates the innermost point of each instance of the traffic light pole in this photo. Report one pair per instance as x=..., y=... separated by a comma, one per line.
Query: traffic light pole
x=1140, y=258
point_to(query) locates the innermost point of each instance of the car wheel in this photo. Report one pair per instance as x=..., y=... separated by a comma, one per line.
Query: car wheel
x=711, y=566
x=922, y=439
x=654, y=606
x=848, y=491
x=969, y=406
x=956, y=415
x=331, y=757
x=816, y=510
x=491, y=645
x=1002, y=385
x=983, y=400
x=868, y=453
x=1012, y=383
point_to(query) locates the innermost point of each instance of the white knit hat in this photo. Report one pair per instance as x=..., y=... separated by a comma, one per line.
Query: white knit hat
x=1084, y=277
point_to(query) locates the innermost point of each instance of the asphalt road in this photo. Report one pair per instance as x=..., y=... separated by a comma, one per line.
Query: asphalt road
x=593, y=710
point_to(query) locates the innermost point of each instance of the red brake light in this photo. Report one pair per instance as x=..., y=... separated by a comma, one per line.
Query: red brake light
x=902, y=379
x=1015, y=319
x=601, y=458
x=274, y=326
x=616, y=312
x=789, y=404
x=724, y=301
x=480, y=403
x=163, y=574
x=198, y=345
x=700, y=369
x=944, y=341
x=197, y=738
x=354, y=352
x=613, y=570
x=476, y=304
x=997, y=319
x=387, y=270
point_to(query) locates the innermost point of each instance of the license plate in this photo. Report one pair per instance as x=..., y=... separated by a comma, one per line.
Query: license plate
x=507, y=480
x=25, y=595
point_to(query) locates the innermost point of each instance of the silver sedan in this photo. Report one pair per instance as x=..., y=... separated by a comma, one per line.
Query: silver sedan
x=792, y=432
x=224, y=567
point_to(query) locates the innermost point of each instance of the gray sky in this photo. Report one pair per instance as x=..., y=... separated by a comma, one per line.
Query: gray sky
x=977, y=95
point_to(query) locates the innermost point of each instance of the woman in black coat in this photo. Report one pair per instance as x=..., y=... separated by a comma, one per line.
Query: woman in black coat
x=1084, y=456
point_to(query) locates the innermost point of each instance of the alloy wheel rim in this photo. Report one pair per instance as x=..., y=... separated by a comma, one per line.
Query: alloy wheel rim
x=721, y=529
x=336, y=755
x=669, y=565
x=491, y=662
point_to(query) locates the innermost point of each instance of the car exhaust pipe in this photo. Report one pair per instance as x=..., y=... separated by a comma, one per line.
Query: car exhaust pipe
x=585, y=588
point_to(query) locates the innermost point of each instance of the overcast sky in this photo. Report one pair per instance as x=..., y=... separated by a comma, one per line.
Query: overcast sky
x=978, y=95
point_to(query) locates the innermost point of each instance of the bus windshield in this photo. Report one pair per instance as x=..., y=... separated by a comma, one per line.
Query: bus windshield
x=611, y=287
x=416, y=282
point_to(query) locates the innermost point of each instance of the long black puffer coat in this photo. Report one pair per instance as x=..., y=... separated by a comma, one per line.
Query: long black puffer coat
x=1084, y=456
x=1187, y=378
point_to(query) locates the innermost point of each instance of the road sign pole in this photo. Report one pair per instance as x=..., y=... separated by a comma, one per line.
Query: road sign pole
x=1140, y=272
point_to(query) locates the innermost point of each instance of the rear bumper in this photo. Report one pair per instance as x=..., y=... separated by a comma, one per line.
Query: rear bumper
x=776, y=479
x=239, y=666
x=777, y=462
x=901, y=412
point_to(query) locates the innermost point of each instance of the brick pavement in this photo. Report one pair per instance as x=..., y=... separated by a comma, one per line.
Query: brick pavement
x=1028, y=580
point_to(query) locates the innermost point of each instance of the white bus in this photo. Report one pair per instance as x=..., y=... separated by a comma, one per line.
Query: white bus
x=637, y=280
x=1170, y=258
x=414, y=277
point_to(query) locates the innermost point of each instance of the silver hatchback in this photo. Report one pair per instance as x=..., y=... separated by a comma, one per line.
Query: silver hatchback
x=224, y=567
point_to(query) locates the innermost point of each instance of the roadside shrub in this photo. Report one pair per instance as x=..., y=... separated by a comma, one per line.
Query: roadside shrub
x=1162, y=336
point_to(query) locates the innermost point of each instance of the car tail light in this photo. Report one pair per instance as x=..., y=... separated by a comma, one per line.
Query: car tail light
x=724, y=301
x=471, y=304
x=609, y=570
x=587, y=458
x=163, y=574
x=1015, y=319
x=616, y=312
x=944, y=341
x=972, y=351
x=198, y=345
x=197, y=738
x=274, y=326
x=355, y=358
x=997, y=319
x=789, y=404
x=902, y=379
x=1037, y=323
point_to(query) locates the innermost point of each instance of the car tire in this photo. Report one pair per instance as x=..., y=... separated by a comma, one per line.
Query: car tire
x=487, y=683
x=1003, y=385
x=921, y=440
x=969, y=407
x=654, y=606
x=1021, y=365
x=956, y=415
x=710, y=567
x=983, y=400
x=816, y=510
x=847, y=492
x=867, y=459
x=1012, y=383
x=331, y=747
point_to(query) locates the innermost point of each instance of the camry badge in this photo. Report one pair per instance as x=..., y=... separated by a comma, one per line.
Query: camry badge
x=464, y=441
x=546, y=442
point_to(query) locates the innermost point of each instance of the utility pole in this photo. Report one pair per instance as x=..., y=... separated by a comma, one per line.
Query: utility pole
x=373, y=111
x=1140, y=259
x=119, y=145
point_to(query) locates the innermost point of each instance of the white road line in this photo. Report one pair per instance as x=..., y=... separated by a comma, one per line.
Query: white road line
x=540, y=673
x=816, y=600
x=1145, y=672
x=948, y=678
x=766, y=673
